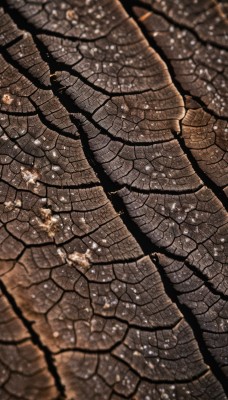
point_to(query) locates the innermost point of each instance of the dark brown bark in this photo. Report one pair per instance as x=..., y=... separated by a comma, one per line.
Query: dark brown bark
x=113, y=200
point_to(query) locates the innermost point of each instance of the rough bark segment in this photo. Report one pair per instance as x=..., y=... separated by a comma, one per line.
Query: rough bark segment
x=89, y=375
x=200, y=70
x=23, y=370
x=207, y=303
x=207, y=18
x=207, y=137
x=189, y=226
x=113, y=222
x=159, y=166
x=200, y=67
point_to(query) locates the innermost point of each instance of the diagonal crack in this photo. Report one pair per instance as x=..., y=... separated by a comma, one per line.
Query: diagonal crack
x=193, y=323
x=219, y=193
x=35, y=340
x=138, y=3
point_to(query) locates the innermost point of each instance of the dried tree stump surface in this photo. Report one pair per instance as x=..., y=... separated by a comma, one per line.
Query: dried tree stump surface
x=113, y=199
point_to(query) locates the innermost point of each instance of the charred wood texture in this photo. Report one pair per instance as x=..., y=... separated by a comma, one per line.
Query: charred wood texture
x=113, y=200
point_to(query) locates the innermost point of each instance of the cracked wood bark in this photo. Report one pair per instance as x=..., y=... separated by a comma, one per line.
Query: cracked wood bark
x=113, y=200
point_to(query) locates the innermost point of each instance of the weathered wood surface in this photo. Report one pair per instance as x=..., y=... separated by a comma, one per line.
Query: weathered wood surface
x=113, y=233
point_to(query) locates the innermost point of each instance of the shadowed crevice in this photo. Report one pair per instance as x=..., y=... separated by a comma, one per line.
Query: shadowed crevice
x=13, y=342
x=15, y=64
x=218, y=192
x=137, y=3
x=193, y=323
x=36, y=341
